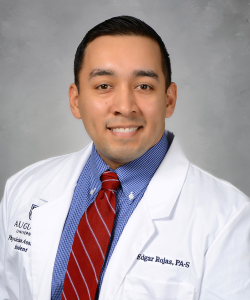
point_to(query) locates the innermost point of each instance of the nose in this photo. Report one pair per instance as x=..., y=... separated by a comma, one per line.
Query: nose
x=124, y=102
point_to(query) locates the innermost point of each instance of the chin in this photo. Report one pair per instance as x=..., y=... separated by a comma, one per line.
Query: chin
x=124, y=156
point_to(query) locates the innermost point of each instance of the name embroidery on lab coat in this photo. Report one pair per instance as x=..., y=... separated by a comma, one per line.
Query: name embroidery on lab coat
x=158, y=259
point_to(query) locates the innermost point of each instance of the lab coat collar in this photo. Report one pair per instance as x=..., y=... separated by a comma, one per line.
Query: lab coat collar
x=158, y=202
x=162, y=191
x=165, y=186
x=66, y=175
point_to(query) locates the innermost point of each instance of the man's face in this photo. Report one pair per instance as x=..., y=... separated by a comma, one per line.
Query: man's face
x=122, y=99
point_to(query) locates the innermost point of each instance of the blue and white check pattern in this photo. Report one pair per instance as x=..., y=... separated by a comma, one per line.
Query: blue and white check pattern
x=134, y=177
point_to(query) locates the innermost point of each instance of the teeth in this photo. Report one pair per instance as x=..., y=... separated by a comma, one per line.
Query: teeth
x=124, y=129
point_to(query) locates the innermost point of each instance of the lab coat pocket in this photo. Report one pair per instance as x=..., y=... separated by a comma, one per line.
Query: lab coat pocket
x=141, y=289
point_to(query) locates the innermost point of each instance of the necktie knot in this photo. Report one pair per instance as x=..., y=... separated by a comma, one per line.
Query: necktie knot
x=110, y=180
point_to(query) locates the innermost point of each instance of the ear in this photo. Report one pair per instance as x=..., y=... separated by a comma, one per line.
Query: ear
x=171, y=97
x=73, y=100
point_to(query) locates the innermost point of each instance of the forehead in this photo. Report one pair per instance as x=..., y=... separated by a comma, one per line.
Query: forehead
x=122, y=53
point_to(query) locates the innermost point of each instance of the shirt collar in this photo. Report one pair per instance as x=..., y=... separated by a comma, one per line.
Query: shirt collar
x=135, y=175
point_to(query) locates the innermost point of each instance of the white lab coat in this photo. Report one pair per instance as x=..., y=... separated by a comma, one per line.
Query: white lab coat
x=188, y=238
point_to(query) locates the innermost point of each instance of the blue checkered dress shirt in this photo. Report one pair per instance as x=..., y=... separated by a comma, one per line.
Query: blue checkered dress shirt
x=134, y=177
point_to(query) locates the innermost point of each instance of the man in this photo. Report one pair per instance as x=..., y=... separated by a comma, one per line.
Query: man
x=127, y=217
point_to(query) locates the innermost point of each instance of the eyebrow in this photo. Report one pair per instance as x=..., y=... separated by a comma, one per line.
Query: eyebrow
x=147, y=73
x=101, y=72
x=136, y=73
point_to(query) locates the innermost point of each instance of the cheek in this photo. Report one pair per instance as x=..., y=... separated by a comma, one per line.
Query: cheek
x=155, y=114
x=93, y=114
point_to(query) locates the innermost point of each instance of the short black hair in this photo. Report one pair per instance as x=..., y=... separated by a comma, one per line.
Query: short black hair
x=122, y=25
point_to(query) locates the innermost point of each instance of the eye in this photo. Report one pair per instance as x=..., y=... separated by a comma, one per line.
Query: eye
x=103, y=86
x=144, y=87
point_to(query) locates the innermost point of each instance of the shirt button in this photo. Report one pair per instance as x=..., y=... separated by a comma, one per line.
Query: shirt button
x=92, y=191
x=131, y=196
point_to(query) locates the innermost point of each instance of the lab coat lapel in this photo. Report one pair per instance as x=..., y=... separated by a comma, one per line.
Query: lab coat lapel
x=48, y=221
x=157, y=203
x=139, y=228
x=165, y=186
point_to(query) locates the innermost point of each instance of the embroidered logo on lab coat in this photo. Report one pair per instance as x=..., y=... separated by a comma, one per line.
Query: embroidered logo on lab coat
x=32, y=207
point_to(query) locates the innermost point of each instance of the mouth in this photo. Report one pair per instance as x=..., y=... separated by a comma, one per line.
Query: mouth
x=132, y=129
x=124, y=132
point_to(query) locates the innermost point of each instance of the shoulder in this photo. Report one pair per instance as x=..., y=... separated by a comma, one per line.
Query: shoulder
x=212, y=205
x=215, y=199
x=40, y=168
x=203, y=188
x=213, y=185
x=39, y=174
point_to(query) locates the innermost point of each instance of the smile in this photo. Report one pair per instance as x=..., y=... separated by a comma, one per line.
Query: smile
x=124, y=129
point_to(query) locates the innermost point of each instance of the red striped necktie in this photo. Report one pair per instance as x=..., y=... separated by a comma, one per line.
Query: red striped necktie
x=91, y=243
